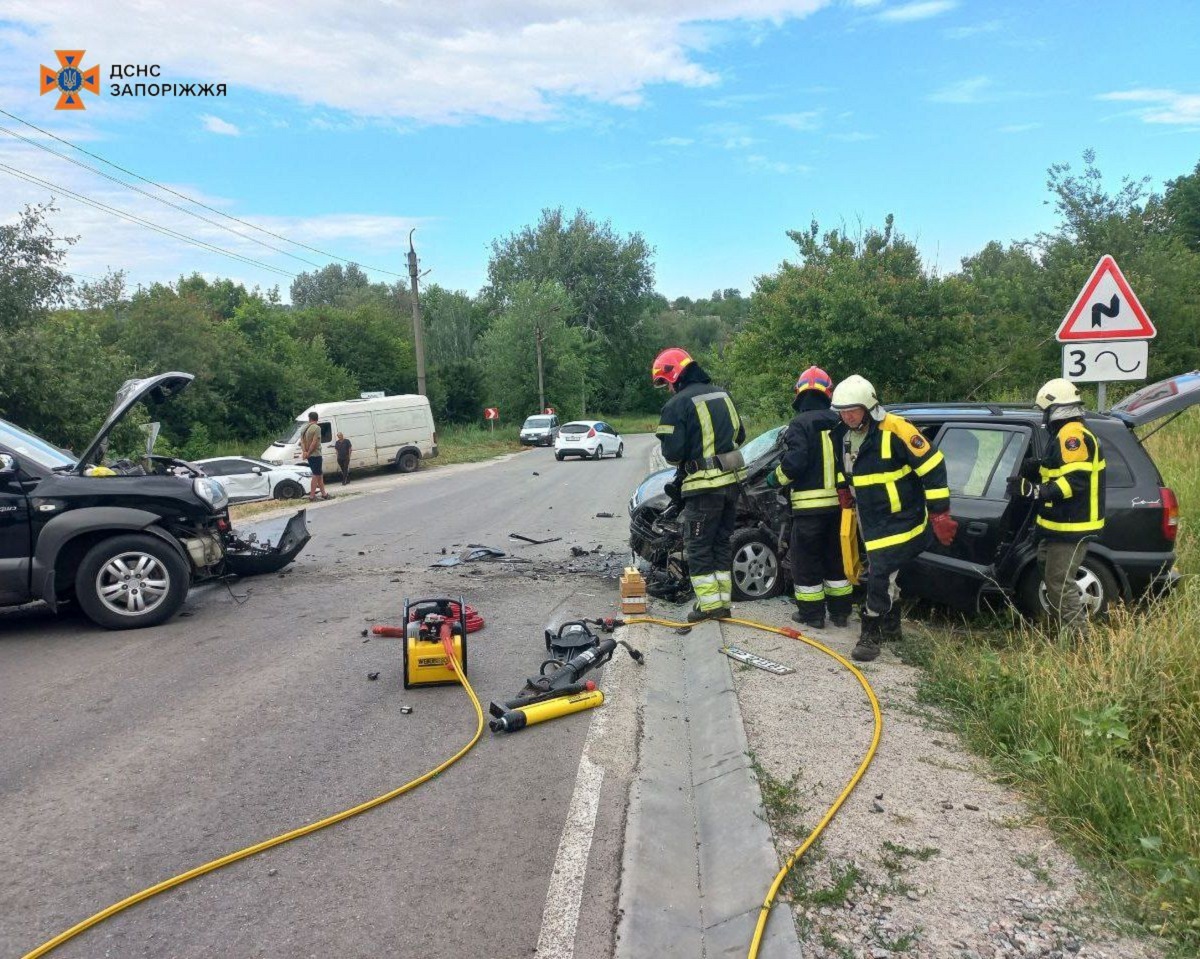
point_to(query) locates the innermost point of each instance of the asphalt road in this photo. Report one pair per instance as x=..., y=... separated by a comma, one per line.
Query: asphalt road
x=131, y=756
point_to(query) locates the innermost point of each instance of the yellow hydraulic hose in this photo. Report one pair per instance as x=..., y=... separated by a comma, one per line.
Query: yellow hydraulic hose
x=765, y=911
x=266, y=844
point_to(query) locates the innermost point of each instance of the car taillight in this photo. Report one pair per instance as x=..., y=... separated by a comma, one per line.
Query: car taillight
x=1170, y=513
x=591, y=432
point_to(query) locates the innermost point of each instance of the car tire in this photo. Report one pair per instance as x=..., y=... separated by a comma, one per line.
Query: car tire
x=757, y=572
x=153, y=564
x=407, y=462
x=288, y=489
x=1095, y=578
x=559, y=457
x=620, y=450
x=599, y=453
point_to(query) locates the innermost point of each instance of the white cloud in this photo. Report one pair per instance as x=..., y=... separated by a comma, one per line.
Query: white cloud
x=674, y=142
x=407, y=59
x=923, y=10
x=964, y=91
x=216, y=125
x=730, y=136
x=1162, y=106
x=757, y=162
x=107, y=240
x=806, y=121
x=974, y=30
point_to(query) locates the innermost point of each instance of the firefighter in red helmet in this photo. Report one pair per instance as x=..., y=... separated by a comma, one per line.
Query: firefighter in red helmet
x=809, y=469
x=700, y=432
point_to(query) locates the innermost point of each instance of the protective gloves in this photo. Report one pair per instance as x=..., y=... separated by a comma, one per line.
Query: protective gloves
x=673, y=493
x=845, y=498
x=772, y=480
x=1020, y=488
x=945, y=527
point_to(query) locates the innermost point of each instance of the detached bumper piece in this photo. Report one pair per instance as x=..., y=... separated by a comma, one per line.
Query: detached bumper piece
x=249, y=557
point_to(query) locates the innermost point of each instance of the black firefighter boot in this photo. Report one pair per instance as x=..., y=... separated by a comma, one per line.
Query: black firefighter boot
x=869, y=637
x=891, y=631
x=809, y=614
x=839, y=610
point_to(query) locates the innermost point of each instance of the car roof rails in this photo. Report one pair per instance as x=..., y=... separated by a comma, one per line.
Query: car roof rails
x=992, y=408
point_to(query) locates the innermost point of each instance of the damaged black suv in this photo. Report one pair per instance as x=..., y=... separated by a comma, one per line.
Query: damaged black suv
x=124, y=541
x=993, y=555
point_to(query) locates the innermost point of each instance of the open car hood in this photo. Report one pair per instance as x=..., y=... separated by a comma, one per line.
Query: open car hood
x=1166, y=398
x=156, y=389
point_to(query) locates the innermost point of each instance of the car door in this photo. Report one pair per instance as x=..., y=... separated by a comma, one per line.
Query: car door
x=15, y=542
x=980, y=457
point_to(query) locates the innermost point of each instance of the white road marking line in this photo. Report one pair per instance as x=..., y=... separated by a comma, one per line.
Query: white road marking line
x=560, y=917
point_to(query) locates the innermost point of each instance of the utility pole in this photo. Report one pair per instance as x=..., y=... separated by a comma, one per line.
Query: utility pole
x=541, y=380
x=418, y=331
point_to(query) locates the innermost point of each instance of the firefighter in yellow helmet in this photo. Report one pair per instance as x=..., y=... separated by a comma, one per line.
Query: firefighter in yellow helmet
x=700, y=432
x=809, y=469
x=898, y=481
x=1066, y=488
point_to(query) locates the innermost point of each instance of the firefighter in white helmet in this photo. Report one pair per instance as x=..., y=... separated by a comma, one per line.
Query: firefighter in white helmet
x=1066, y=488
x=898, y=481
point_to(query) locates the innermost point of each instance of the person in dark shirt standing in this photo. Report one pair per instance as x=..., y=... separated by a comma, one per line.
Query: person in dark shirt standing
x=343, y=447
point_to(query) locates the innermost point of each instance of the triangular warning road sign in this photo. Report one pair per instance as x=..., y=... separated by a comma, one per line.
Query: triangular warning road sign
x=1106, y=309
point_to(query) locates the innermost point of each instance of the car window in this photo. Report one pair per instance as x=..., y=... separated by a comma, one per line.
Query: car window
x=326, y=433
x=33, y=447
x=1117, y=473
x=761, y=444
x=537, y=422
x=575, y=428
x=976, y=456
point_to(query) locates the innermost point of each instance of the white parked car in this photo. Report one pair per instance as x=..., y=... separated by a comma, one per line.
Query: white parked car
x=592, y=438
x=245, y=478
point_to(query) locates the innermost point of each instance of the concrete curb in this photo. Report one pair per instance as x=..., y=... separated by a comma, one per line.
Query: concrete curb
x=698, y=855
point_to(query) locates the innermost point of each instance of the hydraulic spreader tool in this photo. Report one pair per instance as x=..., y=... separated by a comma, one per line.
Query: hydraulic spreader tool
x=559, y=688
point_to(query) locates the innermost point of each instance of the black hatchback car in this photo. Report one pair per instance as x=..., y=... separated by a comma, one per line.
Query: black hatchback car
x=993, y=554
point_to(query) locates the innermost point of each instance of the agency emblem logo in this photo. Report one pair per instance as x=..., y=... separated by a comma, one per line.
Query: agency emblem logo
x=70, y=80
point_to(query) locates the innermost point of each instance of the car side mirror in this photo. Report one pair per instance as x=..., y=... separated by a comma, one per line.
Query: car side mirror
x=8, y=466
x=258, y=470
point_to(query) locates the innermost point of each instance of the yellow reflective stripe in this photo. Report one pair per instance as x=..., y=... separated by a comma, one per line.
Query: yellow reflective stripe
x=1086, y=466
x=930, y=463
x=734, y=421
x=827, y=461
x=814, y=503
x=1063, y=485
x=664, y=429
x=838, y=587
x=708, y=438
x=885, y=445
x=1080, y=527
x=1095, y=490
x=895, y=540
x=807, y=495
x=780, y=475
x=708, y=479
x=940, y=493
x=875, y=479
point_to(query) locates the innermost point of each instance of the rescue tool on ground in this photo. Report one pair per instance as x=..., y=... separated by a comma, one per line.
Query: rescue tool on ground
x=559, y=688
x=435, y=638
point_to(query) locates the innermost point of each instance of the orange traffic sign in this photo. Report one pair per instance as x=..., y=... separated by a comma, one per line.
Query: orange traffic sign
x=1106, y=309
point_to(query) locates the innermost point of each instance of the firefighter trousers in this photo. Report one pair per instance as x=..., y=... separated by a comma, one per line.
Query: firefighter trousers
x=709, y=520
x=818, y=577
x=883, y=568
x=1058, y=561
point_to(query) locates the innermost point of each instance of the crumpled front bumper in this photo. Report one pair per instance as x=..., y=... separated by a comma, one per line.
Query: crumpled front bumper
x=249, y=557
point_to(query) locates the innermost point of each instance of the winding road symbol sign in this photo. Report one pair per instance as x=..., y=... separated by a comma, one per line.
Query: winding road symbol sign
x=1106, y=309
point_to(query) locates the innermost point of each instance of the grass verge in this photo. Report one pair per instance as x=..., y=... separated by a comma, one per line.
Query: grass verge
x=1105, y=736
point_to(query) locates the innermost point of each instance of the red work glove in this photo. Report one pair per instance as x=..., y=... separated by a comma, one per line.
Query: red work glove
x=845, y=498
x=945, y=527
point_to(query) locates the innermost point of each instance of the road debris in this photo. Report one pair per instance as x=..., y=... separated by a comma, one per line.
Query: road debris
x=373, y=675
x=604, y=516
x=535, y=542
x=406, y=710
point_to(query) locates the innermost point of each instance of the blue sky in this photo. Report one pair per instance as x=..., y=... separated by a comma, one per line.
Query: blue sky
x=711, y=127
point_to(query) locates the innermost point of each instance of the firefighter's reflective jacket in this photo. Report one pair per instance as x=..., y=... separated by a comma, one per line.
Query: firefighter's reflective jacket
x=897, y=476
x=1071, y=506
x=699, y=424
x=809, y=464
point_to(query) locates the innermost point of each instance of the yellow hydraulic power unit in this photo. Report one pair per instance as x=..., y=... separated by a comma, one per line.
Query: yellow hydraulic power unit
x=851, y=558
x=512, y=720
x=435, y=630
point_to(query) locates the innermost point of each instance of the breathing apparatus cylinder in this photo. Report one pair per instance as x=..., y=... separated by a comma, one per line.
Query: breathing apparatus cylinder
x=516, y=719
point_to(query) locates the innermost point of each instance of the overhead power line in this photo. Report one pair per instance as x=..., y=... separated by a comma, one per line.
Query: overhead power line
x=159, y=199
x=183, y=196
x=133, y=218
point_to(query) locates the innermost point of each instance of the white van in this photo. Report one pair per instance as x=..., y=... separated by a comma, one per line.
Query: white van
x=384, y=430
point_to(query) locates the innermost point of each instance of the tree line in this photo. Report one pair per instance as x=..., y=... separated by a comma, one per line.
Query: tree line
x=852, y=302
